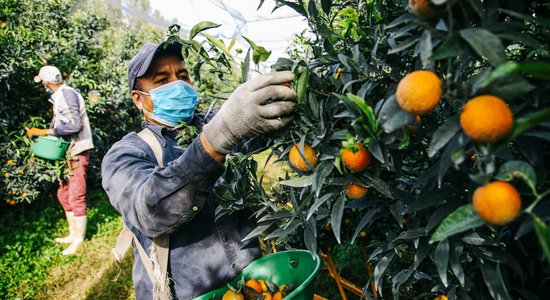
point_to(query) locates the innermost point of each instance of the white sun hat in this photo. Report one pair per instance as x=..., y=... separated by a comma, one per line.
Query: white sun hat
x=49, y=74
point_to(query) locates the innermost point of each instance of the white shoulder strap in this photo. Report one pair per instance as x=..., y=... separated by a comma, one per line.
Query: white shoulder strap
x=156, y=263
x=149, y=137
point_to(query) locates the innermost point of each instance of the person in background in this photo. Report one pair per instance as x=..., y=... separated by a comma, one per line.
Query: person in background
x=178, y=199
x=70, y=121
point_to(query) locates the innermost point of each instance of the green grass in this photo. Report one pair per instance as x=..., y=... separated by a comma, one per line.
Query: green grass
x=31, y=264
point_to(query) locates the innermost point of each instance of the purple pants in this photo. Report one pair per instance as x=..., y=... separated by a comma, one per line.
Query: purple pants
x=71, y=193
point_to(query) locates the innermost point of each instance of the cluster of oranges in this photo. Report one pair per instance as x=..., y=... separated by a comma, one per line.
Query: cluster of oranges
x=485, y=119
x=355, y=158
x=258, y=289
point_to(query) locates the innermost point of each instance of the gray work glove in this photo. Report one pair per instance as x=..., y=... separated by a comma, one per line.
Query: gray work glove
x=258, y=106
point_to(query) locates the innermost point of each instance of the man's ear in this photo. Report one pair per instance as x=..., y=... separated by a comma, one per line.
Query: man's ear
x=136, y=97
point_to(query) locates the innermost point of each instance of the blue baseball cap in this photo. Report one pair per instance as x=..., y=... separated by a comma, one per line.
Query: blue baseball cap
x=139, y=65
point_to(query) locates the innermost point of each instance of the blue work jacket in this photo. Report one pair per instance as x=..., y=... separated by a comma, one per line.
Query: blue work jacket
x=205, y=252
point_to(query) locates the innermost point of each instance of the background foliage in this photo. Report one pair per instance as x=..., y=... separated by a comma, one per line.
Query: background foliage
x=346, y=85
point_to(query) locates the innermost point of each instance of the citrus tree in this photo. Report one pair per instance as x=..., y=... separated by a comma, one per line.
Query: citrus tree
x=91, y=50
x=425, y=125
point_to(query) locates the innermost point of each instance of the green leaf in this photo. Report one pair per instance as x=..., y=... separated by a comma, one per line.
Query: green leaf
x=426, y=49
x=378, y=184
x=527, y=122
x=357, y=104
x=318, y=203
x=310, y=237
x=534, y=69
x=518, y=169
x=259, y=53
x=443, y=135
x=201, y=26
x=349, y=62
x=282, y=64
x=312, y=9
x=449, y=48
x=441, y=259
x=302, y=181
x=380, y=269
x=520, y=37
x=257, y=231
x=303, y=85
x=518, y=87
x=392, y=117
x=400, y=278
x=456, y=266
x=501, y=71
x=367, y=218
x=522, y=125
x=543, y=234
x=462, y=219
x=336, y=216
x=421, y=252
x=284, y=230
x=494, y=281
x=486, y=44
x=219, y=44
x=326, y=5
x=245, y=66
x=298, y=7
x=478, y=239
x=321, y=172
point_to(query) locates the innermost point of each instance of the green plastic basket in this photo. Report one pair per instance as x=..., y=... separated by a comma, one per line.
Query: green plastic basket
x=297, y=266
x=49, y=147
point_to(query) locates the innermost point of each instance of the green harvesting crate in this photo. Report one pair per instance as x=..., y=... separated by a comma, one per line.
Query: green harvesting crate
x=297, y=266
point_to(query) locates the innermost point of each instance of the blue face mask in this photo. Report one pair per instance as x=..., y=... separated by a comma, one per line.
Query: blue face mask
x=49, y=91
x=173, y=102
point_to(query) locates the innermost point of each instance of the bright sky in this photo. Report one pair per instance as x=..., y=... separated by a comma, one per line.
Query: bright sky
x=273, y=31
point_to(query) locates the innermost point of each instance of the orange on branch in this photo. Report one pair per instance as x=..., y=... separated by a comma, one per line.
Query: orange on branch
x=355, y=191
x=419, y=92
x=486, y=119
x=422, y=9
x=298, y=162
x=497, y=203
x=356, y=161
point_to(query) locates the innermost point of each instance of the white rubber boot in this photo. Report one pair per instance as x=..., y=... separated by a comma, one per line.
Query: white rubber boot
x=80, y=233
x=69, y=238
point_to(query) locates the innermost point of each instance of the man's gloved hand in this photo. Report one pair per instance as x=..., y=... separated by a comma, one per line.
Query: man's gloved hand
x=258, y=106
x=35, y=132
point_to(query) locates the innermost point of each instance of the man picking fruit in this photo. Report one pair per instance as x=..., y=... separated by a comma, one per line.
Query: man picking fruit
x=70, y=121
x=165, y=194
